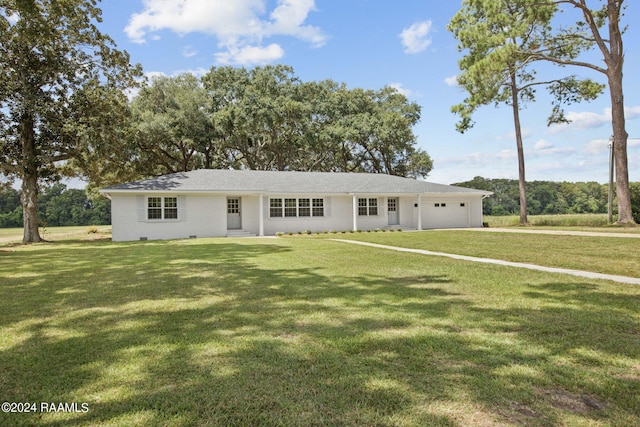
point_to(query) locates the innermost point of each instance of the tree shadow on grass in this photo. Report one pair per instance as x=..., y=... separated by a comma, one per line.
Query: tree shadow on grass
x=582, y=338
x=175, y=330
x=200, y=333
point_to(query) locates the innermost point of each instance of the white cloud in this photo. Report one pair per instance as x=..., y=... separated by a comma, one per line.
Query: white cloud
x=288, y=19
x=545, y=148
x=507, y=154
x=222, y=18
x=239, y=25
x=631, y=112
x=400, y=89
x=597, y=146
x=543, y=145
x=480, y=159
x=589, y=120
x=189, y=51
x=511, y=136
x=451, y=81
x=415, y=39
x=251, y=55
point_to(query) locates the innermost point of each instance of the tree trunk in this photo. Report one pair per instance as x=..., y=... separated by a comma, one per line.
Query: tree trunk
x=29, y=196
x=614, y=63
x=521, y=175
x=620, y=136
x=29, y=199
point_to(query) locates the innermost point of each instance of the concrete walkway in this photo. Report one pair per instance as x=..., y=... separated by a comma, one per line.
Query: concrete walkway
x=579, y=273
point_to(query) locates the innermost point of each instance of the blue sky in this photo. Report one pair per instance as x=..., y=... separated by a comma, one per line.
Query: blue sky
x=373, y=43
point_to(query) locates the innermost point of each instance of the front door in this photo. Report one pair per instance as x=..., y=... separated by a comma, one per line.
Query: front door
x=392, y=210
x=233, y=213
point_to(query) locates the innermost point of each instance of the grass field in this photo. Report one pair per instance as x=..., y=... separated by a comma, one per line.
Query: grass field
x=307, y=331
x=597, y=254
x=585, y=222
x=10, y=236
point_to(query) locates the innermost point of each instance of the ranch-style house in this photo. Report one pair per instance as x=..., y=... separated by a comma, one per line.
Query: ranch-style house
x=212, y=203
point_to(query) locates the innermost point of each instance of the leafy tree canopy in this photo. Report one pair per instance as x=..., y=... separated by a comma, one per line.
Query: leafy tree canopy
x=267, y=118
x=61, y=92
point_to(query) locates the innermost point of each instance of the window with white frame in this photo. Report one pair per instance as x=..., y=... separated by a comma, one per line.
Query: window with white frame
x=275, y=208
x=318, y=207
x=304, y=207
x=162, y=208
x=368, y=207
x=290, y=207
x=294, y=208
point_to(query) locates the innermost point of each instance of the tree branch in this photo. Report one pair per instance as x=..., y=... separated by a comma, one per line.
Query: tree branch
x=10, y=168
x=588, y=15
x=543, y=57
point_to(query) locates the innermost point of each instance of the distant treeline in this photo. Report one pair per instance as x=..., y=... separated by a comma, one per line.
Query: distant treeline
x=547, y=197
x=57, y=206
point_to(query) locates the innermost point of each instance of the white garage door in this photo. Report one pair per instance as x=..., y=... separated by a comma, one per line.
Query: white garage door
x=445, y=214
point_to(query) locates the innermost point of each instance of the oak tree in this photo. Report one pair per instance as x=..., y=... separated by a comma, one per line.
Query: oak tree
x=172, y=130
x=61, y=91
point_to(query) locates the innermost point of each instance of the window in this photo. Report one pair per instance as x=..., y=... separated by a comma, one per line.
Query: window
x=373, y=207
x=170, y=208
x=304, y=207
x=275, y=208
x=362, y=207
x=233, y=205
x=368, y=207
x=318, y=207
x=162, y=208
x=294, y=208
x=290, y=207
x=154, y=208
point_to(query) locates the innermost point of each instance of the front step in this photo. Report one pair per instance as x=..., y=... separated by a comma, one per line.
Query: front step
x=239, y=233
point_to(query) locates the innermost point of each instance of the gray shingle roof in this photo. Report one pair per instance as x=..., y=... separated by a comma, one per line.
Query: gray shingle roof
x=276, y=182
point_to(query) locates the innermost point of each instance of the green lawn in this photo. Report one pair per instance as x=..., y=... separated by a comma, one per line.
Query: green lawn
x=80, y=232
x=307, y=331
x=597, y=254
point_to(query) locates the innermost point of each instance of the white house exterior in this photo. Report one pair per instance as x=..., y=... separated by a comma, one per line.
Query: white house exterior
x=211, y=203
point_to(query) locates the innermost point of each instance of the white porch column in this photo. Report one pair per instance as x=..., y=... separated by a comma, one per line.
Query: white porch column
x=261, y=219
x=419, y=213
x=355, y=212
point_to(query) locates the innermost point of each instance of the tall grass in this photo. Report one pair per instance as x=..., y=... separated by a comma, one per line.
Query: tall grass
x=569, y=220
